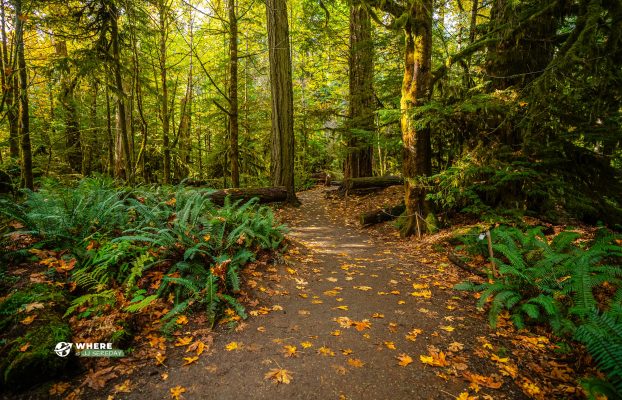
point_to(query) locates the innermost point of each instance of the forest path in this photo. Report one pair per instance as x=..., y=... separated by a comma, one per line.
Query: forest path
x=331, y=271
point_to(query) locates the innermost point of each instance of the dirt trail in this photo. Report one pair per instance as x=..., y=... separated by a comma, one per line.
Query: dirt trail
x=331, y=265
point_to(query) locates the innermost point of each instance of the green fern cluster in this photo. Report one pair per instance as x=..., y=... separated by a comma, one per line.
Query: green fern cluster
x=185, y=234
x=555, y=282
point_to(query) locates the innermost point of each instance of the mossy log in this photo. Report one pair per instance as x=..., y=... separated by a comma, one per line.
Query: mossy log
x=348, y=185
x=265, y=195
x=381, y=215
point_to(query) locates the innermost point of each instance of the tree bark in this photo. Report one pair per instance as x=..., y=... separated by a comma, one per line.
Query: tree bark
x=24, y=117
x=233, y=93
x=9, y=89
x=360, y=126
x=116, y=55
x=416, y=88
x=370, y=182
x=164, y=112
x=283, y=146
x=384, y=214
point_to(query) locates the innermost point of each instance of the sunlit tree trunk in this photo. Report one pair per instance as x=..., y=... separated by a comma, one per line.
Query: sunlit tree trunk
x=116, y=55
x=9, y=89
x=361, y=100
x=24, y=117
x=164, y=111
x=416, y=87
x=283, y=145
x=234, y=127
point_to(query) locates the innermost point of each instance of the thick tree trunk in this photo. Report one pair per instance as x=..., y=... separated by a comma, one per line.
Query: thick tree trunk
x=265, y=195
x=233, y=94
x=164, y=113
x=116, y=55
x=361, y=102
x=73, y=140
x=416, y=88
x=9, y=89
x=283, y=146
x=24, y=117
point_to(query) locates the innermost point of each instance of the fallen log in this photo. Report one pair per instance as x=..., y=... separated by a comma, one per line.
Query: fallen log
x=461, y=264
x=371, y=181
x=265, y=195
x=384, y=214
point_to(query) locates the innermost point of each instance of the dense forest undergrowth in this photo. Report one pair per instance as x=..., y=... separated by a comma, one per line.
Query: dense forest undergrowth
x=140, y=141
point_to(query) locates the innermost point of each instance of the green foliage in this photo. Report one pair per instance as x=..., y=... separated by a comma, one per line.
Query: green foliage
x=555, y=282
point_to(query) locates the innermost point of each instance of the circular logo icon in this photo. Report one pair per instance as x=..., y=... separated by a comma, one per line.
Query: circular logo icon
x=62, y=349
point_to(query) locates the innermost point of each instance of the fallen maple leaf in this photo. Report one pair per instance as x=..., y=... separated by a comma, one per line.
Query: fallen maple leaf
x=28, y=320
x=290, y=351
x=183, y=341
x=158, y=342
x=434, y=359
x=24, y=347
x=59, y=388
x=336, y=332
x=361, y=325
x=347, y=352
x=455, y=347
x=279, y=375
x=306, y=345
x=377, y=315
x=232, y=346
x=496, y=358
x=448, y=328
x=190, y=360
x=355, y=362
x=344, y=308
x=390, y=345
x=123, y=387
x=160, y=358
x=412, y=335
x=404, y=359
x=176, y=392
x=33, y=306
x=426, y=294
x=182, y=320
x=325, y=351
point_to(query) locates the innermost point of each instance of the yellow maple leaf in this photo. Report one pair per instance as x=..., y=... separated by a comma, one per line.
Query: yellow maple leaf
x=183, y=341
x=279, y=375
x=197, y=346
x=496, y=358
x=190, y=360
x=160, y=358
x=419, y=286
x=347, y=352
x=290, y=351
x=344, y=308
x=325, y=351
x=361, y=325
x=355, y=362
x=182, y=320
x=336, y=332
x=232, y=346
x=426, y=294
x=448, y=328
x=390, y=345
x=176, y=392
x=28, y=320
x=123, y=387
x=377, y=315
x=434, y=359
x=157, y=342
x=412, y=335
x=363, y=288
x=306, y=345
x=404, y=359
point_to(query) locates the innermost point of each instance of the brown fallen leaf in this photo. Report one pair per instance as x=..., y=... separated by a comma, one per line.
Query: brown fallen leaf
x=279, y=375
x=197, y=346
x=24, y=347
x=59, y=388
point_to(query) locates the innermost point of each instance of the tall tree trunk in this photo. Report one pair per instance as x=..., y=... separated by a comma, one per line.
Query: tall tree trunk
x=416, y=88
x=283, y=145
x=361, y=124
x=9, y=88
x=110, y=137
x=73, y=142
x=116, y=55
x=24, y=117
x=164, y=111
x=233, y=93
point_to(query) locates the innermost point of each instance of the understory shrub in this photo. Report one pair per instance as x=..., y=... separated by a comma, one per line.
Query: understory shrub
x=572, y=284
